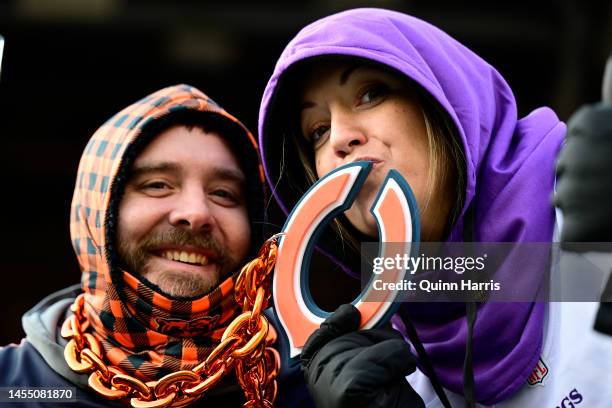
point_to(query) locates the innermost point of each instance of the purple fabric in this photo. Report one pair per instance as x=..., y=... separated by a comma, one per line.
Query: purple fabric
x=510, y=177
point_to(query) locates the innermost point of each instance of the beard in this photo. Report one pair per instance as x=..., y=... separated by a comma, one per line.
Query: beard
x=135, y=258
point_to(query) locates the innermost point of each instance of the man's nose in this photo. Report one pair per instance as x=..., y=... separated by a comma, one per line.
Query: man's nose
x=345, y=134
x=192, y=210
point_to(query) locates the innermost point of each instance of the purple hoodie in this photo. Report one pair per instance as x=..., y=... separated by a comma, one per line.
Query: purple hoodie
x=510, y=176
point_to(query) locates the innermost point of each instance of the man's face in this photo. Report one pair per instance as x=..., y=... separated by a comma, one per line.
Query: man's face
x=183, y=221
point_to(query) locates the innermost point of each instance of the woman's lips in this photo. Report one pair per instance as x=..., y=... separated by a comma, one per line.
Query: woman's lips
x=376, y=163
x=368, y=158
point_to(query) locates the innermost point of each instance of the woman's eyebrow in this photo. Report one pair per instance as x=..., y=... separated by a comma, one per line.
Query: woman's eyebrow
x=307, y=105
x=344, y=76
x=347, y=72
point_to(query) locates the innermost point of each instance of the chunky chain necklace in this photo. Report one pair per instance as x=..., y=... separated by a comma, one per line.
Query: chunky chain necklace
x=245, y=347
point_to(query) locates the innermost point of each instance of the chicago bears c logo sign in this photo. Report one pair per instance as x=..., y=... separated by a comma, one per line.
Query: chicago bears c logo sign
x=395, y=212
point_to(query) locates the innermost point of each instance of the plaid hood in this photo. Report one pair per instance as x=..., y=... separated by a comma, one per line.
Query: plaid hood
x=143, y=331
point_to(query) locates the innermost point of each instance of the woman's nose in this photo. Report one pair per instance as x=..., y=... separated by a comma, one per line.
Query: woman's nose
x=345, y=135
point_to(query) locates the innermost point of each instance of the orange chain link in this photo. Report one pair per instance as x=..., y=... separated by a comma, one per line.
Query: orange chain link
x=244, y=347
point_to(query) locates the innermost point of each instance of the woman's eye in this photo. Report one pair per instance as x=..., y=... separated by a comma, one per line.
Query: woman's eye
x=318, y=133
x=373, y=93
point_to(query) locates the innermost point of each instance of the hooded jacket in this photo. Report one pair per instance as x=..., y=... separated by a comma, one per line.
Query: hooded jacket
x=509, y=175
x=135, y=322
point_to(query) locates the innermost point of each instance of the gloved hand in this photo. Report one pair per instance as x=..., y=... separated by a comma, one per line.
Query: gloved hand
x=344, y=367
x=584, y=177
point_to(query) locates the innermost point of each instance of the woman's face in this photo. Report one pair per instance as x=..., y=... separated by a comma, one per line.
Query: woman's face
x=352, y=111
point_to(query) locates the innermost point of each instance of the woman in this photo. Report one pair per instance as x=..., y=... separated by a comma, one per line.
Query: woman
x=378, y=85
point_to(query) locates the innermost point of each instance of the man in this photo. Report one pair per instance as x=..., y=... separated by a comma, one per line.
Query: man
x=168, y=206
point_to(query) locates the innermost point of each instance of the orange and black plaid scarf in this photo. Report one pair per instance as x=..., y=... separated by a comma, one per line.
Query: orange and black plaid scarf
x=142, y=331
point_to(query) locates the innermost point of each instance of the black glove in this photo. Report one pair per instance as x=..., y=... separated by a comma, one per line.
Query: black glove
x=348, y=368
x=584, y=177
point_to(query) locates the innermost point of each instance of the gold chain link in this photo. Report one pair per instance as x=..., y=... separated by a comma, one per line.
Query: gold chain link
x=245, y=347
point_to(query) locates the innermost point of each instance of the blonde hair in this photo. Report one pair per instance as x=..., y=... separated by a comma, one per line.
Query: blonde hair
x=446, y=156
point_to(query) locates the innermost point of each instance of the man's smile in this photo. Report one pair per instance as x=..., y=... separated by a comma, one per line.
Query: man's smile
x=186, y=257
x=190, y=258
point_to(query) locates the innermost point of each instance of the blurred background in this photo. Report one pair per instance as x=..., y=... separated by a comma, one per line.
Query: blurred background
x=71, y=64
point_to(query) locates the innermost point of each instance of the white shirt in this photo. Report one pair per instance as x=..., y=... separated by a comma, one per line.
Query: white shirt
x=577, y=359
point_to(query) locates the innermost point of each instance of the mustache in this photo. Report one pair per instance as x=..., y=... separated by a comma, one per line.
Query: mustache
x=184, y=237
